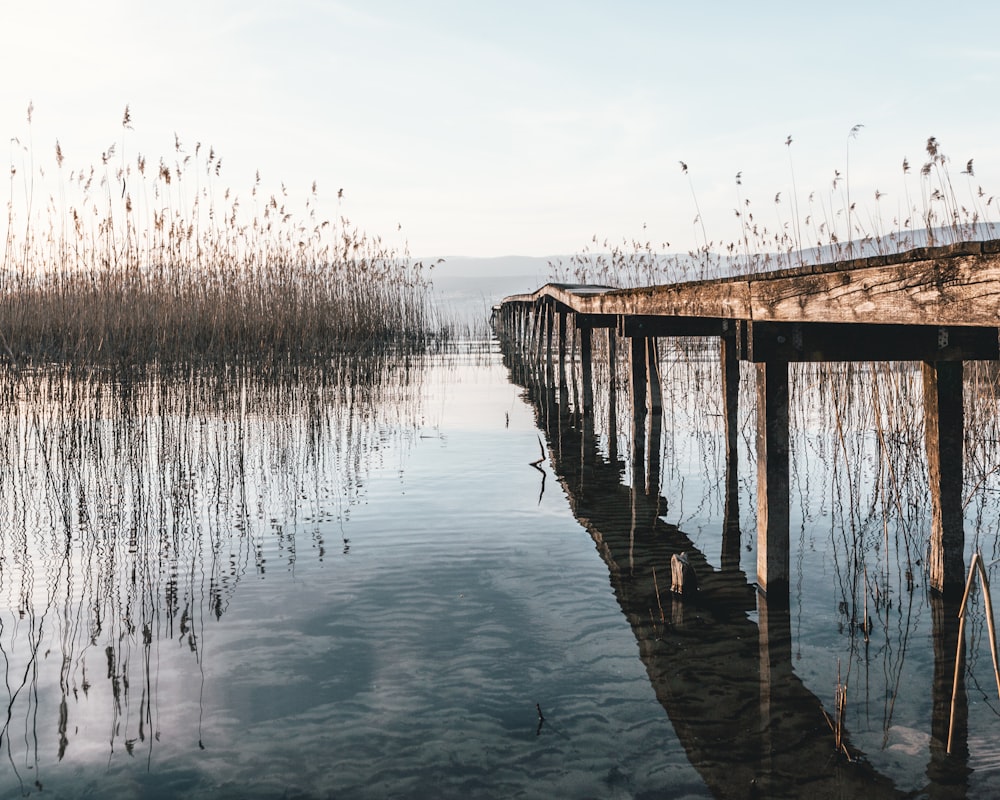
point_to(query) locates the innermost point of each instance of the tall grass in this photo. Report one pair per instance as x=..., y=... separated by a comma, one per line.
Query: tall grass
x=139, y=261
x=837, y=226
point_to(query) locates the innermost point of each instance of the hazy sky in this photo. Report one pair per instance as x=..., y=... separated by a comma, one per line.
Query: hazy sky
x=492, y=128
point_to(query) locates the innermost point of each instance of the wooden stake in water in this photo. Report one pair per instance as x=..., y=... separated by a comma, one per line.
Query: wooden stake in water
x=975, y=567
x=988, y=604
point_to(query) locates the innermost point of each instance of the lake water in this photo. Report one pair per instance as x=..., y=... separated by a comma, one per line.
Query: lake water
x=360, y=586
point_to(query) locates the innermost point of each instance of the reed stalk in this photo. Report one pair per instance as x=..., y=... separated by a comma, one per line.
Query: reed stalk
x=139, y=264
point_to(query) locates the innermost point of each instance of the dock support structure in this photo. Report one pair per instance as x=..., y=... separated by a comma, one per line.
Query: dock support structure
x=653, y=385
x=637, y=363
x=637, y=368
x=612, y=395
x=943, y=432
x=549, y=321
x=586, y=368
x=772, y=479
x=729, y=358
x=562, y=349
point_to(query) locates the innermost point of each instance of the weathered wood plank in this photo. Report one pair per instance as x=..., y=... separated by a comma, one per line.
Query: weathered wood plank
x=723, y=300
x=962, y=290
x=956, y=285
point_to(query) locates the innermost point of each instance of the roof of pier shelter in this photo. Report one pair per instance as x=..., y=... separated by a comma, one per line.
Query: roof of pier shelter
x=956, y=285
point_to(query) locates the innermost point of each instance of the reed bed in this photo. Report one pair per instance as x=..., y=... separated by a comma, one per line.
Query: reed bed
x=136, y=262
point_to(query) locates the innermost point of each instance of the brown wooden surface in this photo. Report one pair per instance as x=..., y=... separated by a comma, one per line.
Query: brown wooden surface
x=954, y=285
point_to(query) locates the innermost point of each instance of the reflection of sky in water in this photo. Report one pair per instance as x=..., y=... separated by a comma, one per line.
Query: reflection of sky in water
x=408, y=660
x=409, y=666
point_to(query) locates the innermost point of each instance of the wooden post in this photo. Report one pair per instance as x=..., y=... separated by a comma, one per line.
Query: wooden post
x=772, y=479
x=730, y=410
x=561, y=355
x=562, y=349
x=586, y=369
x=550, y=377
x=943, y=429
x=638, y=367
x=543, y=333
x=538, y=336
x=637, y=362
x=612, y=395
x=574, y=346
x=653, y=373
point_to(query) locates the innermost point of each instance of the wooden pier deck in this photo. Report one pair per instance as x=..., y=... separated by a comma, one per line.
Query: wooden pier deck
x=937, y=306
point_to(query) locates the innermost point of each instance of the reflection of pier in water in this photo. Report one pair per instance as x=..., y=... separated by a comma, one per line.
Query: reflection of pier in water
x=746, y=720
x=937, y=306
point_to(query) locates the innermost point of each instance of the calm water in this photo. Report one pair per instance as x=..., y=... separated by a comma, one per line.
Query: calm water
x=362, y=588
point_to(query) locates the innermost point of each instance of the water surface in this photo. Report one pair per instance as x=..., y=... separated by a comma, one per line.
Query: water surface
x=359, y=586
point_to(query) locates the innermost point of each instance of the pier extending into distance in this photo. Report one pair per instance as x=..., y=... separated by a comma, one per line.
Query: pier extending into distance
x=937, y=306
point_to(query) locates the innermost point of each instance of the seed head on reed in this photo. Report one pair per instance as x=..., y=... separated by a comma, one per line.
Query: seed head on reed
x=164, y=271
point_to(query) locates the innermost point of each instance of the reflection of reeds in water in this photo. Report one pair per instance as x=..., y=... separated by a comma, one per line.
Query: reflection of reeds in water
x=134, y=262
x=134, y=509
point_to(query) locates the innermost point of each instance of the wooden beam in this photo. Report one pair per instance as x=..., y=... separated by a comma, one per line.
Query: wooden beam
x=596, y=320
x=772, y=480
x=648, y=325
x=824, y=341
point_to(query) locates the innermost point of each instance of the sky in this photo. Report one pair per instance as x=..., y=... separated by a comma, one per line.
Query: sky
x=481, y=128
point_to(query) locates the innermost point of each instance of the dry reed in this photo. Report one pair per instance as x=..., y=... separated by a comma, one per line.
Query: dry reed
x=835, y=228
x=135, y=262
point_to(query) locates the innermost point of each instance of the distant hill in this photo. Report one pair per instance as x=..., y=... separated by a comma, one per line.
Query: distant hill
x=467, y=288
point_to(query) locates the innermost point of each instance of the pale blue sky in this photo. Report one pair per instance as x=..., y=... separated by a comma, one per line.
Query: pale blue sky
x=494, y=128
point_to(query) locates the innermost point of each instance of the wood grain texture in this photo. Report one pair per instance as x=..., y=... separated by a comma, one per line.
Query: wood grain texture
x=956, y=285
x=962, y=290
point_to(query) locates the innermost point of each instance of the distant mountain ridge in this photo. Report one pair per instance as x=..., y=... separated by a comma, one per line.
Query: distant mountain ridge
x=466, y=288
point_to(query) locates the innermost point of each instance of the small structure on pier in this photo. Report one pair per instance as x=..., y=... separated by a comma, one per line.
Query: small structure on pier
x=937, y=306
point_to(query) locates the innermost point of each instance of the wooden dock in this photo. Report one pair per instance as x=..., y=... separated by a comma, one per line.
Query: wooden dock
x=937, y=306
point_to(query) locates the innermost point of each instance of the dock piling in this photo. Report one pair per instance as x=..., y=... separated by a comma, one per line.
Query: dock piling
x=772, y=478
